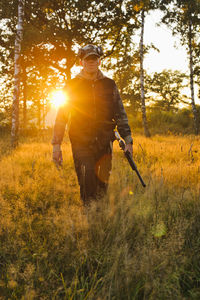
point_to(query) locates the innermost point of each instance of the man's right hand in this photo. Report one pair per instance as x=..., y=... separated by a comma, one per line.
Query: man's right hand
x=57, y=155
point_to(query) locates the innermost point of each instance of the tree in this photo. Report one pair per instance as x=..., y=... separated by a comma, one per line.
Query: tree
x=65, y=24
x=58, y=27
x=127, y=75
x=144, y=118
x=183, y=18
x=6, y=58
x=143, y=7
x=166, y=89
x=123, y=64
x=18, y=41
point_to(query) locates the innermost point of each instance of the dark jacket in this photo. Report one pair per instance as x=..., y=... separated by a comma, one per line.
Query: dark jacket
x=93, y=109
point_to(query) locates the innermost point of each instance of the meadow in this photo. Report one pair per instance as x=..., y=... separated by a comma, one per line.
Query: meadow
x=136, y=243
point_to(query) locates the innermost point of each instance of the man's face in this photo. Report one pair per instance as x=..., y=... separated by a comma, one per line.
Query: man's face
x=91, y=63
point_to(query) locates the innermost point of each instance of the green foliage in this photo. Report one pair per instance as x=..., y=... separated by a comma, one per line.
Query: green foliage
x=165, y=88
x=126, y=73
x=175, y=122
x=163, y=122
x=52, y=32
x=178, y=13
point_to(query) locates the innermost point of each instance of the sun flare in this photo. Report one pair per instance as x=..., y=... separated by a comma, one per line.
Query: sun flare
x=58, y=98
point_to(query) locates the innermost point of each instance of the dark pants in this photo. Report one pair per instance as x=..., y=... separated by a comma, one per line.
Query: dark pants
x=93, y=165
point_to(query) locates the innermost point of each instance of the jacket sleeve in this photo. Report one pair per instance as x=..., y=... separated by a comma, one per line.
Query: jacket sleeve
x=60, y=124
x=121, y=118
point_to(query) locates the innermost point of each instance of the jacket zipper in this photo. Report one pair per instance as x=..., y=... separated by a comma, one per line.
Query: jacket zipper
x=95, y=109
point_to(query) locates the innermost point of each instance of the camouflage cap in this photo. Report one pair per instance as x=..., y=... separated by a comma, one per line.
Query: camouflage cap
x=90, y=50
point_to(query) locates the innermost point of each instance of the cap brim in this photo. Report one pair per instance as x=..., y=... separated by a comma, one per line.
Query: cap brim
x=89, y=54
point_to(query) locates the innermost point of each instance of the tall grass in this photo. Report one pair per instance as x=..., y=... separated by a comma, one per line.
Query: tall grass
x=135, y=243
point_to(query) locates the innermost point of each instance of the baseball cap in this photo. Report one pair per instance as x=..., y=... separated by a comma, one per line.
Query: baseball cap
x=90, y=50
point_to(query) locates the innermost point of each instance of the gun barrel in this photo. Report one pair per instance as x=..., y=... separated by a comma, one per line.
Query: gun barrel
x=134, y=167
x=129, y=158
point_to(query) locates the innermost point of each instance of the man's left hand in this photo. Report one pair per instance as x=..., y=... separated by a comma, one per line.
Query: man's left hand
x=129, y=147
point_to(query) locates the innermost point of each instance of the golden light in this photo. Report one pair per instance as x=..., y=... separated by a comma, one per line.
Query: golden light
x=58, y=98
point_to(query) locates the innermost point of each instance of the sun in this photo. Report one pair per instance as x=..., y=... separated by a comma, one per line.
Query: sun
x=58, y=98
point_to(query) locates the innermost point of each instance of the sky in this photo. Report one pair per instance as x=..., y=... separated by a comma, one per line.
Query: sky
x=172, y=55
x=169, y=57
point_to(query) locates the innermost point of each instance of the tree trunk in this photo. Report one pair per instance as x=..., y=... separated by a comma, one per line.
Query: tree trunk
x=144, y=118
x=18, y=41
x=194, y=109
x=24, y=79
x=39, y=114
x=43, y=114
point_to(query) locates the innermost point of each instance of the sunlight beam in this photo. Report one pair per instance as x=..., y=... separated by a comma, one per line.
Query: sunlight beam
x=58, y=98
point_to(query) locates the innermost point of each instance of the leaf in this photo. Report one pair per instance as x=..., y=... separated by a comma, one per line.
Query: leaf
x=138, y=7
x=159, y=230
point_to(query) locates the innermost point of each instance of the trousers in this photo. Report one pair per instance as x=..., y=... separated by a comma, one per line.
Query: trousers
x=93, y=165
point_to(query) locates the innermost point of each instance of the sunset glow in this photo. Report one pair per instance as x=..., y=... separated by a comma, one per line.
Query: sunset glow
x=58, y=98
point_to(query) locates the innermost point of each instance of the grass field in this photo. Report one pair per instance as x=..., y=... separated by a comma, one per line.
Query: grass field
x=135, y=244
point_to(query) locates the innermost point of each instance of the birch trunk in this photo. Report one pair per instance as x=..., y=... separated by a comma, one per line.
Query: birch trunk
x=18, y=41
x=43, y=114
x=144, y=118
x=24, y=96
x=194, y=109
x=39, y=114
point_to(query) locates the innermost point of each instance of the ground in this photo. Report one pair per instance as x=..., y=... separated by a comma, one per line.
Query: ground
x=136, y=243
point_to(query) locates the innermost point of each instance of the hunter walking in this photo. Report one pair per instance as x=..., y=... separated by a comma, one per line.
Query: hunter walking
x=94, y=108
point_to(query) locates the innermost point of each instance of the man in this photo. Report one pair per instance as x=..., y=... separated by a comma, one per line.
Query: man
x=93, y=110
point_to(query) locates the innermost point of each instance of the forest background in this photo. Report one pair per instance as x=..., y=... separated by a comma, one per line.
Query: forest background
x=54, y=30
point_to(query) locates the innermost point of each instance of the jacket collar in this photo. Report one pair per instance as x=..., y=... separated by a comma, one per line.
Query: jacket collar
x=100, y=75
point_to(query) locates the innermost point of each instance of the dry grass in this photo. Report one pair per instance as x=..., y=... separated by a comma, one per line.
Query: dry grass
x=135, y=244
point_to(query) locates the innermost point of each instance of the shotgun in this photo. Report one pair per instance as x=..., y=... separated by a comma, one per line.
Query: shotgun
x=129, y=157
